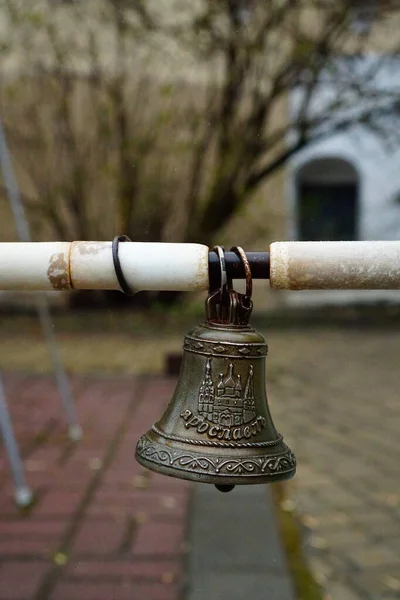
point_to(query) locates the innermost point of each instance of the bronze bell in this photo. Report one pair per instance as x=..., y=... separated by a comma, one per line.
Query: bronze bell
x=217, y=428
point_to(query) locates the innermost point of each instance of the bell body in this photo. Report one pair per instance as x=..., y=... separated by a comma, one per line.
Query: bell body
x=217, y=428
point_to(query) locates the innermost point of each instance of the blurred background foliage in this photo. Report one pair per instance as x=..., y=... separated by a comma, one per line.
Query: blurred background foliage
x=164, y=120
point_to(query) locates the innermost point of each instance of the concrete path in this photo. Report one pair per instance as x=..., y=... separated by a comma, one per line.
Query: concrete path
x=103, y=528
x=235, y=548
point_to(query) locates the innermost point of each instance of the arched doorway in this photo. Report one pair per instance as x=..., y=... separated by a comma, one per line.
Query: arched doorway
x=327, y=200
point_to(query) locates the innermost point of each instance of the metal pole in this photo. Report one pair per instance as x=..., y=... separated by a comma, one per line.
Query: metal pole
x=64, y=388
x=23, y=494
x=22, y=226
x=49, y=266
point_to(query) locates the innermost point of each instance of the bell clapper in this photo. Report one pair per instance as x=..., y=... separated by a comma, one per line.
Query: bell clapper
x=224, y=488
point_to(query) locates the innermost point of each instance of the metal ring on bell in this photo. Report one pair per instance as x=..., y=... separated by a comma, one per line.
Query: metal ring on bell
x=246, y=265
x=224, y=277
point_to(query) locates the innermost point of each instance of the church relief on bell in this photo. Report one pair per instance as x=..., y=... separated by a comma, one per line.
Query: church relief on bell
x=230, y=402
x=226, y=409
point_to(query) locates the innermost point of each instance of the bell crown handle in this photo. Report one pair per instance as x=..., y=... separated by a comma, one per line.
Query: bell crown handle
x=228, y=308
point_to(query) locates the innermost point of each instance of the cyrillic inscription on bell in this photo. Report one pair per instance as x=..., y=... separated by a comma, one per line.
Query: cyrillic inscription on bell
x=218, y=428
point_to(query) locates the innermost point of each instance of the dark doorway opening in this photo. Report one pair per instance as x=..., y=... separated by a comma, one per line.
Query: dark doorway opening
x=327, y=201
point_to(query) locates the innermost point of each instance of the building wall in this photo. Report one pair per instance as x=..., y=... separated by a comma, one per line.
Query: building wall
x=376, y=163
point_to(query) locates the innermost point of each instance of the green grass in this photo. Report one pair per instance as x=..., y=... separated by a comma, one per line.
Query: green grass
x=99, y=342
x=305, y=585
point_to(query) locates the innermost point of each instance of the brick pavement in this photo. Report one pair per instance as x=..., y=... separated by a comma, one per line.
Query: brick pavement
x=334, y=394
x=102, y=527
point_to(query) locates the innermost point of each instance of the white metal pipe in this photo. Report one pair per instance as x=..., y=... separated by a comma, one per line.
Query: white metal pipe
x=145, y=265
x=366, y=265
x=184, y=267
x=89, y=265
x=34, y=266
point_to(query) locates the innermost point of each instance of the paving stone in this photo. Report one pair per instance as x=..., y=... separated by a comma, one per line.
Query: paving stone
x=340, y=498
x=31, y=528
x=235, y=528
x=90, y=561
x=58, y=503
x=346, y=539
x=378, y=583
x=158, y=538
x=20, y=580
x=344, y=429
x=7, y=503
x=99, y=536
x=236, y=586
x=160, y=570
x=393, y=545
x=124, y=590
x=374, y=556
x=339, y=591
x=27, y=548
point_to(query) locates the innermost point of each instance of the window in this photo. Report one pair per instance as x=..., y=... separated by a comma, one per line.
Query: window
x=362, y=15
x=241, y=11
x=327, y=201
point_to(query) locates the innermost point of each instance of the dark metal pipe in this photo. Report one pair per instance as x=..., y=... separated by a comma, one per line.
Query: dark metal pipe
x=259, y=265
